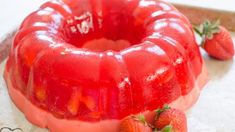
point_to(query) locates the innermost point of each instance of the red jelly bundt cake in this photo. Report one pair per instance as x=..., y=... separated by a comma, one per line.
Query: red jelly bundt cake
x=83, y=65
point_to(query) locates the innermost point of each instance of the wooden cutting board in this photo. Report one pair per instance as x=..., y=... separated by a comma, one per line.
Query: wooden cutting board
x=200, y=10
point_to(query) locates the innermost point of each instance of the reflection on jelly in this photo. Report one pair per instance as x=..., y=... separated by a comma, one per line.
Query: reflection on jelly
x=82, y=24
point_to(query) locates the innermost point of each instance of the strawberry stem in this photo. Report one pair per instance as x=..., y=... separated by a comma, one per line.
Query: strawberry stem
x=203, y=41
x=206, y=30
x=141, y=118
x=167, y=128
x=159, y=111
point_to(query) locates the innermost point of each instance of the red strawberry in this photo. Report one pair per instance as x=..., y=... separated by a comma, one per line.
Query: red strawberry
x=135, y=124
x=170, y=120
x=216, y=40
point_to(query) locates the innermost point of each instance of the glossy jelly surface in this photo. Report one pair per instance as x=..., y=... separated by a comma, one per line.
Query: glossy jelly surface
x=95, y=60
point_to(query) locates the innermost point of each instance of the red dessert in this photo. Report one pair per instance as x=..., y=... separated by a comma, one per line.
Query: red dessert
x=83, y=65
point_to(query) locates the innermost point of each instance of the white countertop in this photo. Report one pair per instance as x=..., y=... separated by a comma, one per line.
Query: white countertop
x=12, y=12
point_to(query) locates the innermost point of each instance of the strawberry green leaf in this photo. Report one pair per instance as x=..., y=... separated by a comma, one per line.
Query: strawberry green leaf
x=198, y=30
x=207, y=30
x=159, y=111
x=141, y=118
x=155, y=130
x=167, y=128
x=166, y=107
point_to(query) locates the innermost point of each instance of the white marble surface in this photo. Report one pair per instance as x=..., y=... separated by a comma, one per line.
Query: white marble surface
x=12, y=12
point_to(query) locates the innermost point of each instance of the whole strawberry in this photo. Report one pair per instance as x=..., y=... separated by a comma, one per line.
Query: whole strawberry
x=170, y=120
x=134, y=124
x=216, y=40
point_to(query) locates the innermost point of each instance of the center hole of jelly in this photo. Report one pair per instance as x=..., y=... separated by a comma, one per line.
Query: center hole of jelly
x=115, y=31
x=104, y=44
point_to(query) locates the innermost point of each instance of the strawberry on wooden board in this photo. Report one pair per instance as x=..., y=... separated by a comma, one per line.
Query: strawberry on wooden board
x=170, y=120
x=135, y=124
x=216, y=40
